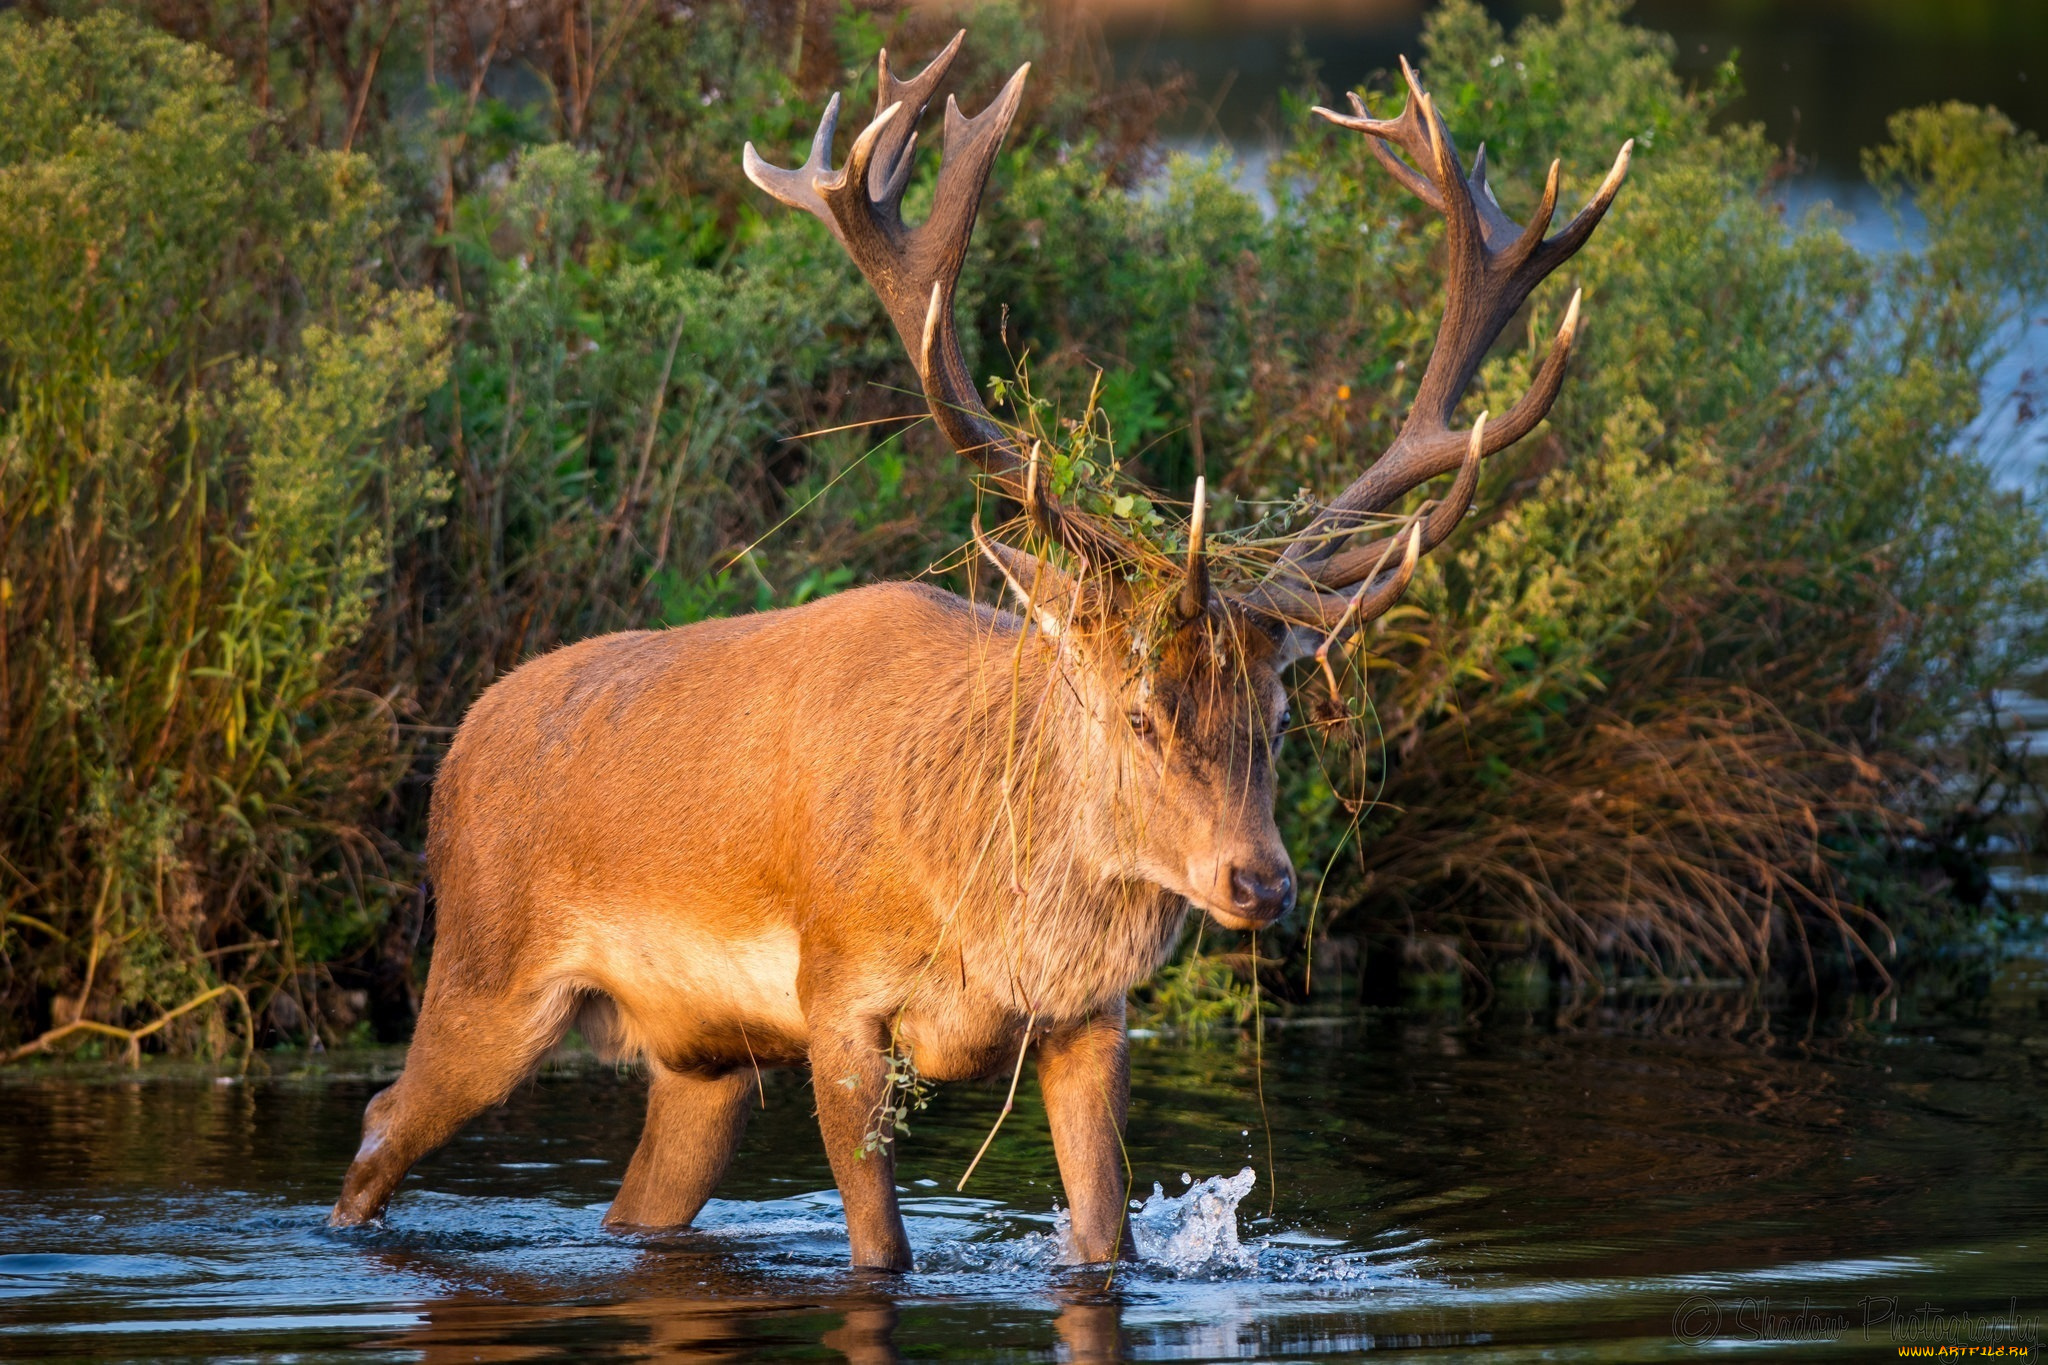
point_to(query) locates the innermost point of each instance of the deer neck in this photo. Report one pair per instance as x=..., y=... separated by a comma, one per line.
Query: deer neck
x=1051, y=813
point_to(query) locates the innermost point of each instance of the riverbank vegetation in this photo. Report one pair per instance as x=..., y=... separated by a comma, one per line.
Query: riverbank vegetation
x=351, y=354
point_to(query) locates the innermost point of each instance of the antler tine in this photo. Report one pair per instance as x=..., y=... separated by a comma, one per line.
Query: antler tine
x=1377, y=600
x=1494, y=264
x=1539, y=223
x=1034, y=499
x=899, y=145
x=1574, y=234
x=1353, y=564
x=1405, y=130
x=1494, y=222
x=1419, y=132
x=798, y=188
x=1194, y=588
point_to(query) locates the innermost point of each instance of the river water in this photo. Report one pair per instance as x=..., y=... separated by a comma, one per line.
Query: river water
x=1662, y=1178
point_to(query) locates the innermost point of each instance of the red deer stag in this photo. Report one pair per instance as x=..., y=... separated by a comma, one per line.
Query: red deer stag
x=894, y=826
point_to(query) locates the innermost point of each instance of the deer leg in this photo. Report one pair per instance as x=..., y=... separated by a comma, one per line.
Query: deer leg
x=694, y=1124
x=467, y=1055
x=1084, y=1071
x=849, y=1078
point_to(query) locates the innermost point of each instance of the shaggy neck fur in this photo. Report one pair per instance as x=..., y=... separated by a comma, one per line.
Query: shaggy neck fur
x=1022, y=802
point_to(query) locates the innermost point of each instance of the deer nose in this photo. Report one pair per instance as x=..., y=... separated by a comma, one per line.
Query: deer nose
x=1263, y=894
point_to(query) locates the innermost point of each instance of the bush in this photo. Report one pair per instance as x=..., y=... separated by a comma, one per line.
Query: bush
x=201, y=484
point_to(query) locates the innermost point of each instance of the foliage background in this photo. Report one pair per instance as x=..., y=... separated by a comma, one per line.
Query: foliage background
x=351, y=353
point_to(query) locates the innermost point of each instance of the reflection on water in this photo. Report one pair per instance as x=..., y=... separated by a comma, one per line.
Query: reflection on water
x=1821, y=75
x=1501, y=1190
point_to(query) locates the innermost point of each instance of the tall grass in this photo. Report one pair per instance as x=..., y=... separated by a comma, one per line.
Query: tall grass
x=347, y=362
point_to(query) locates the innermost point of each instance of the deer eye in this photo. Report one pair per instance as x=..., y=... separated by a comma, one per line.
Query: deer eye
x=1141, y=726
x=1280, y=728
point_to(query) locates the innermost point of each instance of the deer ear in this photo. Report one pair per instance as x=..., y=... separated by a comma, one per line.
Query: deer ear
x=1293, y=640
x=1046, y=592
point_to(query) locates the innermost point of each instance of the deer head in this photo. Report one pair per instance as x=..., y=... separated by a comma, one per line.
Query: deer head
x=1180, y=687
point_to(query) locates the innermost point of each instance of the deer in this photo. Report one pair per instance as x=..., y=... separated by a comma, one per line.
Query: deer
x=898, y=828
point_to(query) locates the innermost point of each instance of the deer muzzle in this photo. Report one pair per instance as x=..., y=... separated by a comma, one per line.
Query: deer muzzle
x=1251, y=893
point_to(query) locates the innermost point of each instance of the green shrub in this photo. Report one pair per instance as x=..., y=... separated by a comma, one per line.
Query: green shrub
x=201, y=483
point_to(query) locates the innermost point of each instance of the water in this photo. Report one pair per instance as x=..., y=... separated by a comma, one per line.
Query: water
x=1822, y=76
x=1688, y=1170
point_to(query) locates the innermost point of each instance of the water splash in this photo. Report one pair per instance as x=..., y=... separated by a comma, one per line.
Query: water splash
x=1195, y=1233
x=1189, y=1236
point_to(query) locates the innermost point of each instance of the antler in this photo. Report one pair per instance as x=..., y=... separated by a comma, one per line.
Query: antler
x=1494, y=264
x=915, y=270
